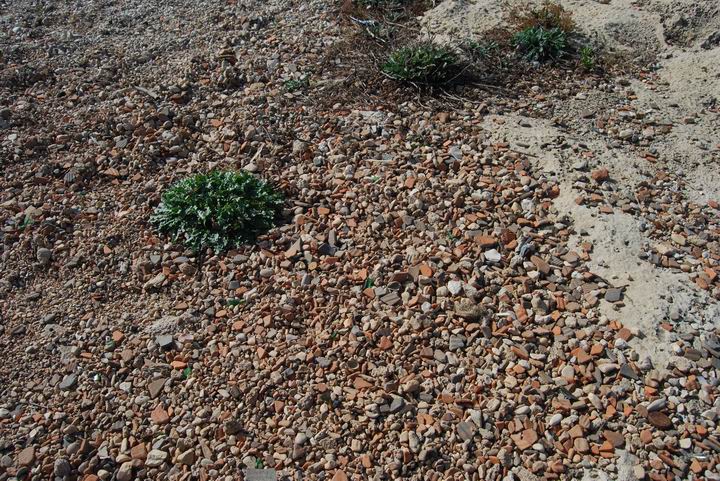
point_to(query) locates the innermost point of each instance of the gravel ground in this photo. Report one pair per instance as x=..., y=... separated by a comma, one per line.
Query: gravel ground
x=428, y=309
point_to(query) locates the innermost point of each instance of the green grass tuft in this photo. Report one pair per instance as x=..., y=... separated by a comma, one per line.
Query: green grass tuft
x=220, y=210
x=587, y=57
x=425, y=63
x=541, y=44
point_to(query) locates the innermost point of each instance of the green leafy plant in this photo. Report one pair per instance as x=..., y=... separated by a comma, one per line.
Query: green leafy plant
x=587, y=57
x=296, y=84
x=541, y=44
x=425, y=63
x=222, y=209
x=478, y=50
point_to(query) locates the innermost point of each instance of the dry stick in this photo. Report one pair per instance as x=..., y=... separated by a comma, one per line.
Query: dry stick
x=521, y=152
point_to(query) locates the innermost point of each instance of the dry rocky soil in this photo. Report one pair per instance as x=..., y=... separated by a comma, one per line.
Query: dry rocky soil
x=511, y=280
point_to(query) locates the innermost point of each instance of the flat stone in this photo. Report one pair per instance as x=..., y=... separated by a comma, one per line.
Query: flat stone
x=613, y=294
x=139, y=451
x=615, y=438
x=601, y=175
x=470, y=311
x=455, y=287
x=68, y=382
x=155, y=387
x=125, y=472
x=525, y=439
x=657, y=405
x=165, y=341
x=61, y=468
x=155, y=458
x=465, y=430
x=159, y=415
x=540, y=264
x=260, y=475
x=628, y=372
x=456, y=342
x=492, y=256
x=26, y=457
x=187, y=457
x=659, y=420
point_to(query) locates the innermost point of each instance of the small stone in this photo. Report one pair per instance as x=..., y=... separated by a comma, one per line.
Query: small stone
x=26, y=457
x=600, y=175
x=492, y=256
x=165, y=341
x=581, y=445
x=139, y=451
x=613, y=295
x=470, y=311
x=615, y=438
x=44, y=256
x=525, y=439
x=555, y=419
x=232, y=427
x=659, y=420
x=260, y=475
x=62, y=468
x=187, y=457
x=155, y=387
x=626, y=134
x=300, y=439
x=155, y=458
x=68, y=382
x=657, y=405
x=628, y=372
x=160, y=415
x=125, y=471
x=455, y=287
x=465, y=430
x=340, y=476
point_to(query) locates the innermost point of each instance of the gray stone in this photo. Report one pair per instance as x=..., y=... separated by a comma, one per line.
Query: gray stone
x=62, y=468
x=613, y=295
x=68, y=382
x=260, y=475
x=155, y=387
x=187, y=457
x=493, y=256
x=397, y=404
x=164, y=340
x=628, y=372
x=155, y=458
x=125, y=471
x=44, y=256
x=465, y=430
x=455, y=287
x=657, y=405
x=456, y=342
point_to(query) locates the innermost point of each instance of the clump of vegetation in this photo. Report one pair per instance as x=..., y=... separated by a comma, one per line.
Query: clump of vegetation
x=293, y=85
x=548, y=15
x=587, y=57
x=480, y=50
x=541, y=44
x=220, y=210
x=424, y=63
x=380, y=3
